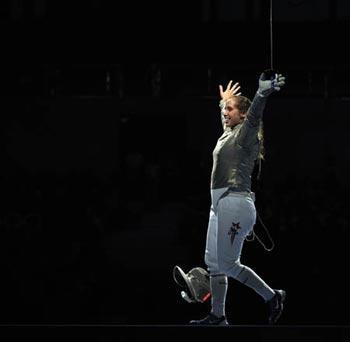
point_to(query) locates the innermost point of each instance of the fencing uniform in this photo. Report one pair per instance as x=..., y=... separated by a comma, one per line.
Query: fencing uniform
x=232, y=212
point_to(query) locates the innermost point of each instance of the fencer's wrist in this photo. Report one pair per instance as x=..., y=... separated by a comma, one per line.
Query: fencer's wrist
x=260, y=94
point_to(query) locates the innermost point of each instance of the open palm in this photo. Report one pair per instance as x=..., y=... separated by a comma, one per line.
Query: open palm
x=230, y=91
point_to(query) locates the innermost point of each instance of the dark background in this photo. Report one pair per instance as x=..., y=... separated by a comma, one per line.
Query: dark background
x=105, y=166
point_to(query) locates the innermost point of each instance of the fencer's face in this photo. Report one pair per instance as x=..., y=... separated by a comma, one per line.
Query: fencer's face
x=232, y=115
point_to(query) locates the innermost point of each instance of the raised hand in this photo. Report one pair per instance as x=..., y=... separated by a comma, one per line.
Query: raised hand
x=230, y=91
x=269, y=83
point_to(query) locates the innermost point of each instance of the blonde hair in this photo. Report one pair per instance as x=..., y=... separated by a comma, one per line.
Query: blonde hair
x=261, y=154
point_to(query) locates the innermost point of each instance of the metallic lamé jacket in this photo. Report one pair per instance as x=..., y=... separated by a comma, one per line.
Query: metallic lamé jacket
x=237, y=149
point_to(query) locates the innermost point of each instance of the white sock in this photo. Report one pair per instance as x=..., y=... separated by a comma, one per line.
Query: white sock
x=218, y=287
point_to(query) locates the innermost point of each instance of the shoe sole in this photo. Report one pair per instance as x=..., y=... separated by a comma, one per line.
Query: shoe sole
x=210, y=325
x=222, y=324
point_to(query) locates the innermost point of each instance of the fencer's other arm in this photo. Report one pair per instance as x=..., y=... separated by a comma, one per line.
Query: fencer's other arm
x=229, y=92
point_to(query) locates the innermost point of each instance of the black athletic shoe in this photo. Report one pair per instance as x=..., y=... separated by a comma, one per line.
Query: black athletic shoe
x=211, y=319
x=275, y=305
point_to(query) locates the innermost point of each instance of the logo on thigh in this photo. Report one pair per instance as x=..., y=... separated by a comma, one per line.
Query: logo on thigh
x=233, y=231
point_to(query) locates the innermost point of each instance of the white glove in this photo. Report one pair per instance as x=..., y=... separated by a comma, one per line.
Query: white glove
x=270, y=82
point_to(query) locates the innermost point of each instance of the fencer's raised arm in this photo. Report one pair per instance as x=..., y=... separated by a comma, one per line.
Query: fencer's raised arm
x=267, y=86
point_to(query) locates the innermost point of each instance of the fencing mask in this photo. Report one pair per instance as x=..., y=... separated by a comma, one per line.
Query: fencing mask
x=195, y=283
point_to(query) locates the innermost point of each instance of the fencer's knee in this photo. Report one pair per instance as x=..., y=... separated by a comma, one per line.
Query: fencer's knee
x=212, y=267
x=232, y=269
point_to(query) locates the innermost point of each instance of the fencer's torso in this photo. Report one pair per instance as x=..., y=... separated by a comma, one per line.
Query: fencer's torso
x=236, y=151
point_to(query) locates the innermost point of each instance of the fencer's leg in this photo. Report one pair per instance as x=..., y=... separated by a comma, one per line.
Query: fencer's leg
x=210, y=257
x=218, y=281
x=218, y=288
x=236, y=217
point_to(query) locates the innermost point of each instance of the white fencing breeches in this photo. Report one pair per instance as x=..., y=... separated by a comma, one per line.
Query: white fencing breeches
x=231, y=219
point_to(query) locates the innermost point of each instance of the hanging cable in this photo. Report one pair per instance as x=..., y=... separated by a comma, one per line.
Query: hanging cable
x=255, y=236
x=271, y=37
